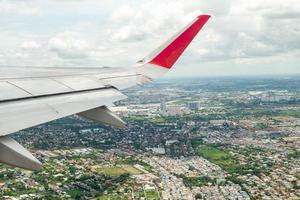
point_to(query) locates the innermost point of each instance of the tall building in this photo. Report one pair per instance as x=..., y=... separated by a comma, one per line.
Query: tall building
x=193, y=105
x=163, y=107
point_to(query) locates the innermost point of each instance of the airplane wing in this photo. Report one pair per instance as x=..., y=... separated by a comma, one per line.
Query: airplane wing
x=33, y=96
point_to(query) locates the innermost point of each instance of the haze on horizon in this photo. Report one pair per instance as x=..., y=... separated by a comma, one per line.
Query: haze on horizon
x=242, y=38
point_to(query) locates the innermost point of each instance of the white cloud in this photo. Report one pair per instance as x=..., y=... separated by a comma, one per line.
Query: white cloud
x=21, y=55
x=122, y=13
x=68, y=45
x=152, y=22
x=239, y=28
x=19, y=7
x=241, y=32
x=216, y=7
x=30, y=45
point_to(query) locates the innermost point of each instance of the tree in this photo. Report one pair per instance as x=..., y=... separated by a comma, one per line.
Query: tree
x=198, y=196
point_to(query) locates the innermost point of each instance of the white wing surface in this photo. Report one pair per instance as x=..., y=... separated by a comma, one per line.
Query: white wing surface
x=32, y=96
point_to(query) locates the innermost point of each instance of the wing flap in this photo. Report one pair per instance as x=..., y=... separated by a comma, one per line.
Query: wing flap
x=12, y=153
x=103, y=115
x=18, y=115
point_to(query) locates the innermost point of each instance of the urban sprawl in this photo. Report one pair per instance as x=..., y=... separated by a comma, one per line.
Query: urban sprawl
x=204, y=138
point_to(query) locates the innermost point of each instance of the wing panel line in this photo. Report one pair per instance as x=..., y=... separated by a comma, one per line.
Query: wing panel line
x=58, y=94
x=19, y=88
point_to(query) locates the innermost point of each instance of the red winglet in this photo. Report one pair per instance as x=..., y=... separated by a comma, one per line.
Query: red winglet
x=168, y=57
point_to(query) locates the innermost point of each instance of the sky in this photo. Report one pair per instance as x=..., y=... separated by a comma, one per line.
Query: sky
x=242, y=38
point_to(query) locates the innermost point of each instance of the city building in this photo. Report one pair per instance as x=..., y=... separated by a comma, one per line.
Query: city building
x=194, y=106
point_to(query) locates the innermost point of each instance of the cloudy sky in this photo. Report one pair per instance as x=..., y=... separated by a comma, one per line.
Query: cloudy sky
x=242, y=38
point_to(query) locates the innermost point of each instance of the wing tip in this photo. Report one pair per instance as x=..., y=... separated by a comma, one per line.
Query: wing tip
x=171, y=53
x=204, y=16
x=164, y=58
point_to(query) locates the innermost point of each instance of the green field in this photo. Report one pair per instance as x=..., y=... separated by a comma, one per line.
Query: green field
x=152, y=195
x=114, y=197
x=119, y=170
x=228, y=162
x=220, y=157
x=131, y=170
x=198, y=181
x=75, y=193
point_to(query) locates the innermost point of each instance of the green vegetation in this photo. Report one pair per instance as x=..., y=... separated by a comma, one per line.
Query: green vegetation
x=119, y=170
x=196, y=143
x=114, y=197
x=157, y=120
x=80, y=185
x=75, y=194
x=105, y=197
x=135, y=119
x=294, y=155
x=141, y=193
x=198, y=181
x=259, y=112
x=236, y=180
x=250, y=150
x=131, y=161
x=131, y=170
x=112, y=171
x=152, y=195
x=220, y=157
x=261, y=126
x=228, y=162
x=198, y=196
x=237, y=113
x=291, y=113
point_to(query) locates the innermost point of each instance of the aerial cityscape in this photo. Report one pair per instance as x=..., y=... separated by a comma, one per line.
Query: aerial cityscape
x=196, y=138
x=149, y=100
